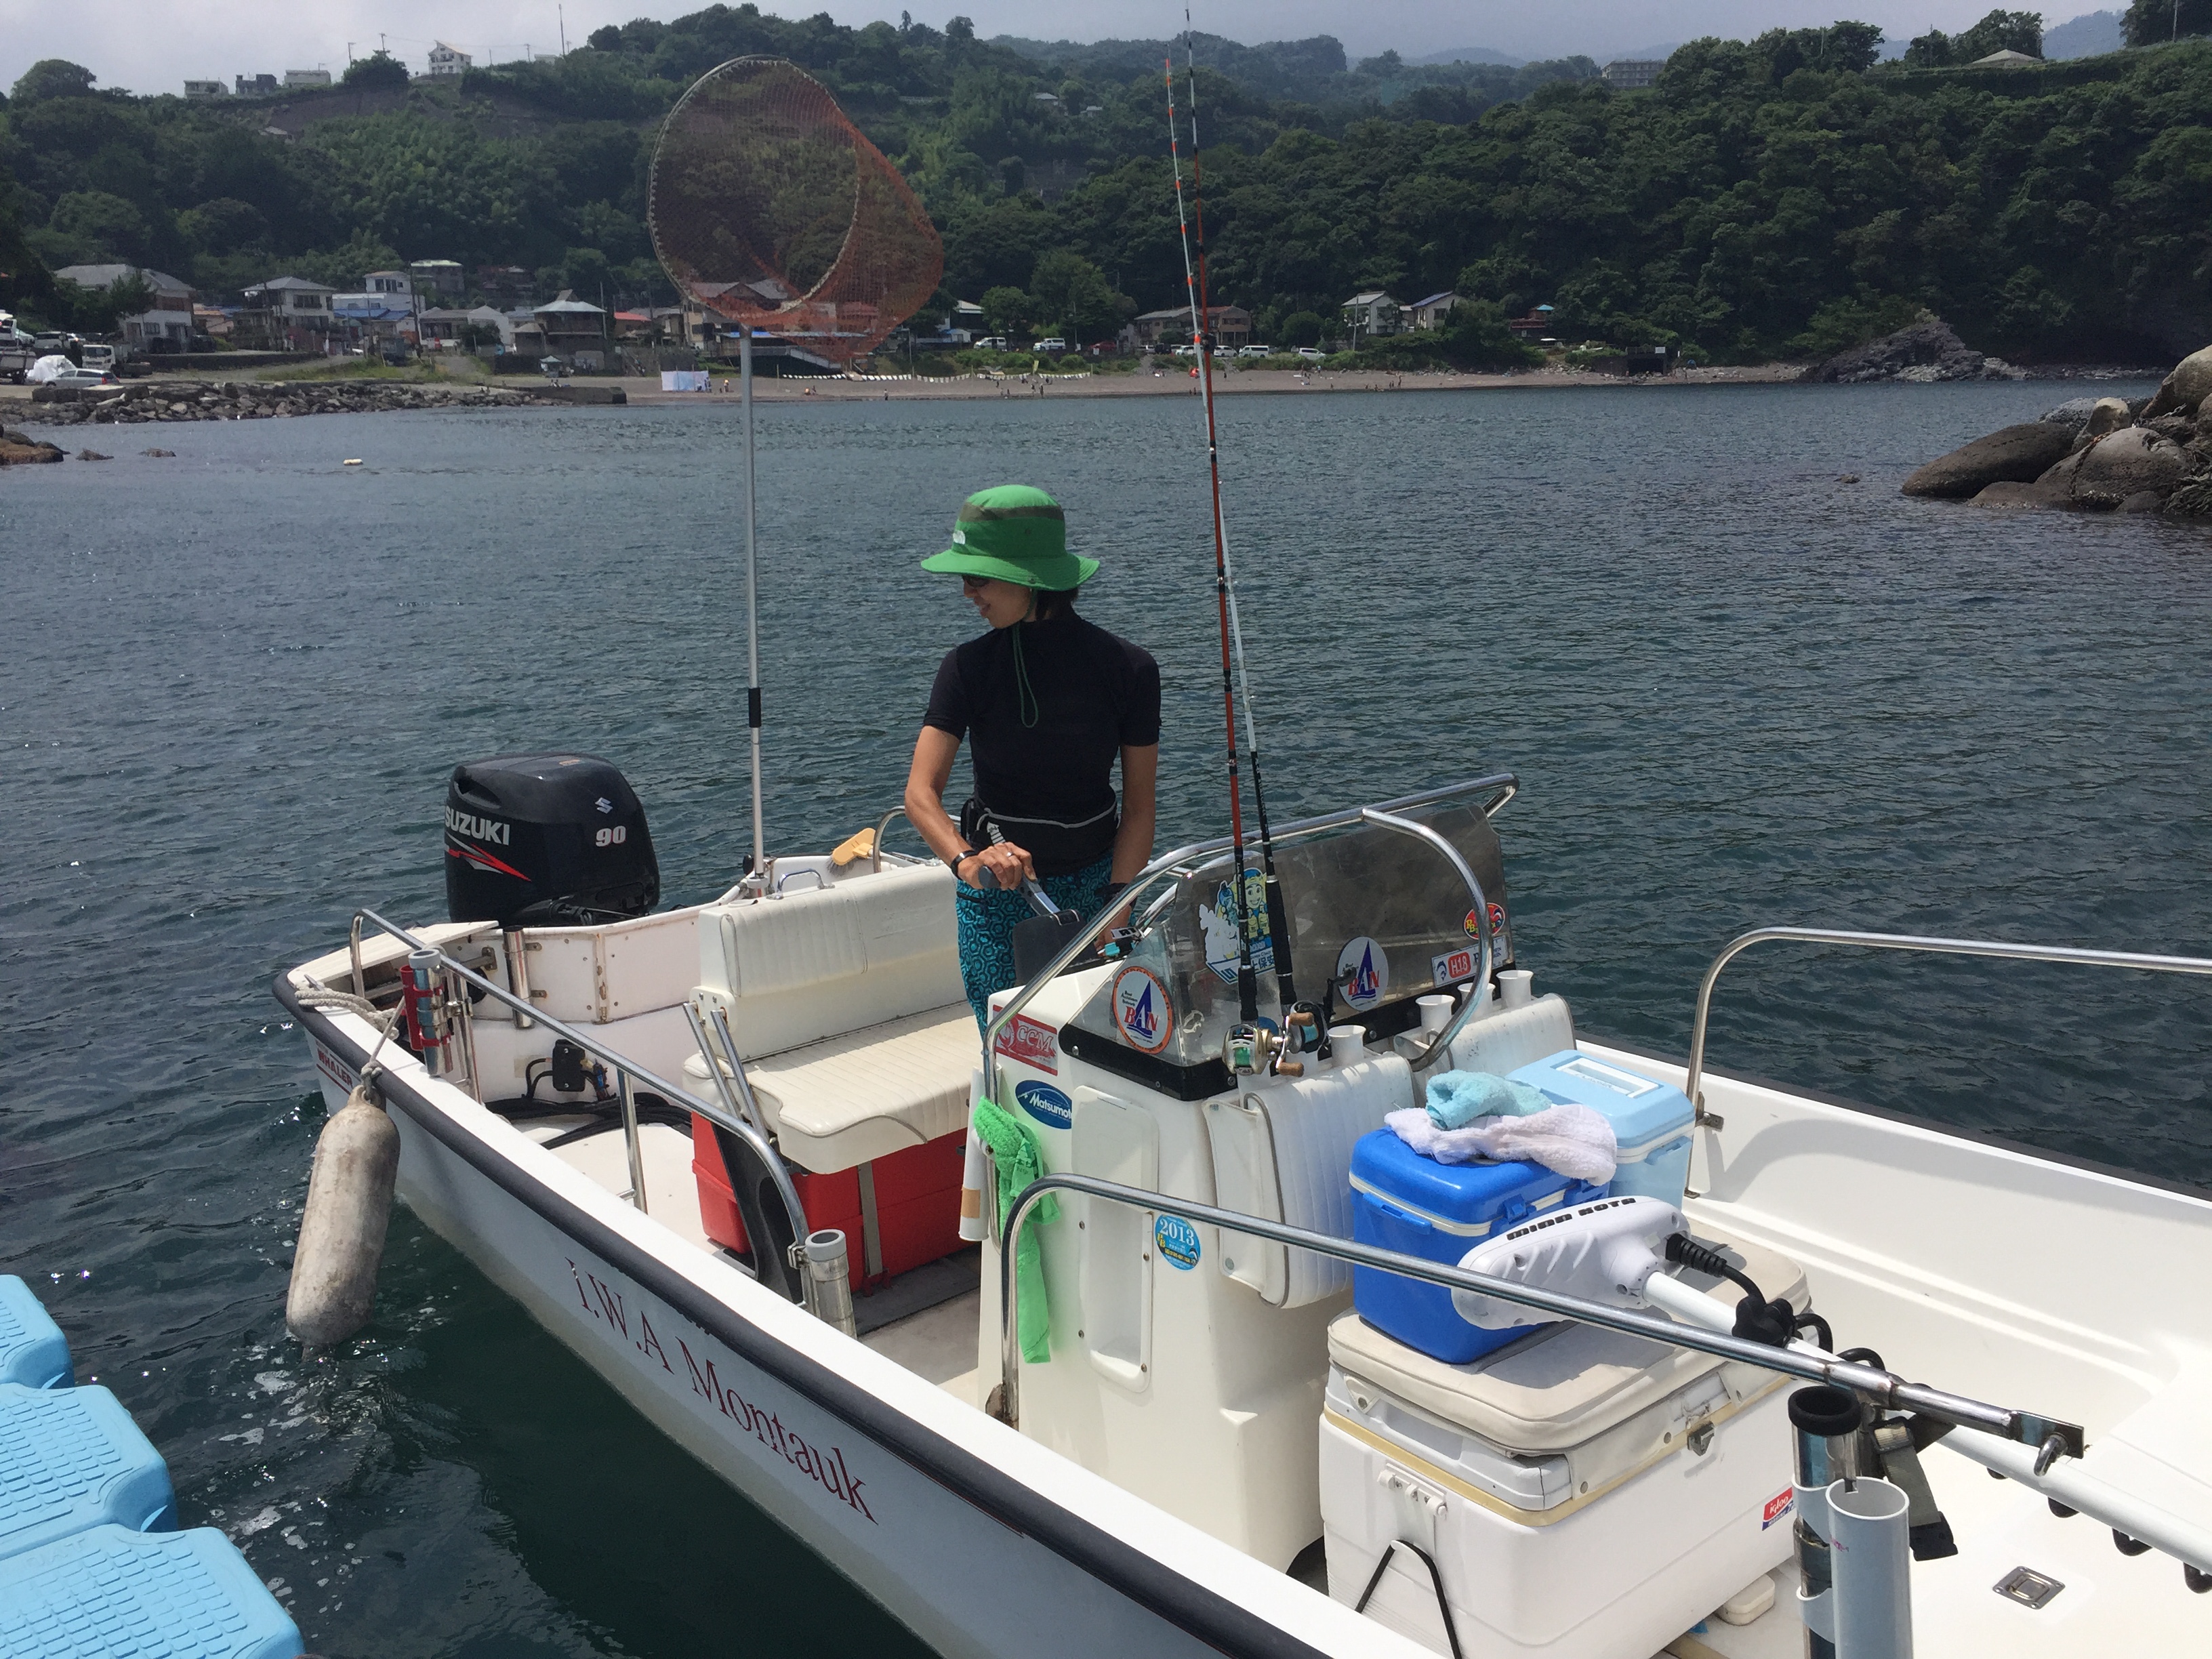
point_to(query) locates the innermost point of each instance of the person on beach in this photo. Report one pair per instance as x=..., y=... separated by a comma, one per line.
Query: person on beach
x=1047, y=703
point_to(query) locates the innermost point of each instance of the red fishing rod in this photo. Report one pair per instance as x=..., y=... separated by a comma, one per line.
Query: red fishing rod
x=1304, y=1026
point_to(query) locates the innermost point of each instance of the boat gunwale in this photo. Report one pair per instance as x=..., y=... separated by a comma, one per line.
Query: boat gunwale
x=1176, y=1597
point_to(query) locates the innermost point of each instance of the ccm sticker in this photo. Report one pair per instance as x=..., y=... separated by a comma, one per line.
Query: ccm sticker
x=1363, y=973
x=1779, y=1508
x=1141, y=1009
x=1045, y=1103
x=1178, y=1241
x=1031, y=1041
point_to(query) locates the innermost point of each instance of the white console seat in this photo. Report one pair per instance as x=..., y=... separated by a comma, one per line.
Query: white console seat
x=847, y=1007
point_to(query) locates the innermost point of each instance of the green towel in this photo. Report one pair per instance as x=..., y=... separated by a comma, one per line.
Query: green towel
x=1020, y=1160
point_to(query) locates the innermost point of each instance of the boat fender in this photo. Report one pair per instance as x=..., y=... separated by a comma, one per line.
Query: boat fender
x=343, y=1224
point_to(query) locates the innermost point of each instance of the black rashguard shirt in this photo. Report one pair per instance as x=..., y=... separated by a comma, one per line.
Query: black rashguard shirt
x=1051, y=784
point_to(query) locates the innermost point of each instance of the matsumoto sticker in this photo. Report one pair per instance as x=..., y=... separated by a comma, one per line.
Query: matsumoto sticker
x=1141, y=1009
x=1363, y=973
x=1178, y=1241
x=1045, y=1103
x=1219, y=921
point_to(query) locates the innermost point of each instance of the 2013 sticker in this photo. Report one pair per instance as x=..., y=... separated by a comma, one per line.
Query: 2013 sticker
x=1363, y=973
x=1177, y=1240
x=1045, y=1103
x=1141, y=1009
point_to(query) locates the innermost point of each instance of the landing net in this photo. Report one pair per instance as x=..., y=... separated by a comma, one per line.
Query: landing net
x=770, y=208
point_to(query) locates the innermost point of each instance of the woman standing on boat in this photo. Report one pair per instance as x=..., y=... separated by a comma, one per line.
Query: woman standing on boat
x=1047, y=702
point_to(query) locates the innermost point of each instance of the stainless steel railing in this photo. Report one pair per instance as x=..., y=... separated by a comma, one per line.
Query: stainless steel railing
x=628, y=1074
x=1884, y=1388
x=1504, y=786
x=1940, y=946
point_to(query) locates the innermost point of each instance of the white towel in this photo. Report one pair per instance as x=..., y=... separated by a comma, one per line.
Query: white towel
x=1571, y=1139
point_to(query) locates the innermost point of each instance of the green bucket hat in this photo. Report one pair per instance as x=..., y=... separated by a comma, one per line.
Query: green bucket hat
x=1014, y=533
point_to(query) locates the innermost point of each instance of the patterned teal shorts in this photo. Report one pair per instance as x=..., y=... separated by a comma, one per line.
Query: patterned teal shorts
x=988, y=920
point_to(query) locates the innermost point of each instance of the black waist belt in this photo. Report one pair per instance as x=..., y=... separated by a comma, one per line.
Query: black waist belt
x=1057, y=846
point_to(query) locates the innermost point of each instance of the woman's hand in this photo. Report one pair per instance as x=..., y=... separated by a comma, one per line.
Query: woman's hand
x=1003, y=865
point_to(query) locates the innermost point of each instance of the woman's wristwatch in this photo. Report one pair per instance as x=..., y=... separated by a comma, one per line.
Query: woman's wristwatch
x=961, y=858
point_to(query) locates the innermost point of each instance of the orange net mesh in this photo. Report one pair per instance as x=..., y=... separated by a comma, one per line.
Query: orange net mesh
x=770, y=208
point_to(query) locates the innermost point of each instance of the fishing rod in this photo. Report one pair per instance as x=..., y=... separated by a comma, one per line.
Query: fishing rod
x=1304, y=1025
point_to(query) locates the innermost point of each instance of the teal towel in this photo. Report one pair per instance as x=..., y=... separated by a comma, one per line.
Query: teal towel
x=1020, y=1159
x=1457, y=1098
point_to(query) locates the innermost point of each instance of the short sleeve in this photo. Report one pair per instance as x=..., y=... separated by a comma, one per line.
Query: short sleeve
x=948, y=708
x=1141, y=717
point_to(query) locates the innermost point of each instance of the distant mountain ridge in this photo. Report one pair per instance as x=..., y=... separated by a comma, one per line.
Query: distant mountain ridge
x=2090, y=35
x=1469, y=55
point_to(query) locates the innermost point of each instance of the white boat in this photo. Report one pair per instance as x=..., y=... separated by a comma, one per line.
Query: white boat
x=1219, y=1455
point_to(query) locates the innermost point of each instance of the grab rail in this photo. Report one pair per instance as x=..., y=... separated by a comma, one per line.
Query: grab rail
x=1883, y=1387
x=627, y=1071
x=876, y=846
x=1083, y=937
x=1937, y=945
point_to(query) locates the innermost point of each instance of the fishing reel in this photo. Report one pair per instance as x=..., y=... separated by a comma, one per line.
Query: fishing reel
x=1250, y=1048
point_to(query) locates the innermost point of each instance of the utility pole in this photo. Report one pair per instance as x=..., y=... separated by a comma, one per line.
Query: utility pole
x=560, y=16
x=349, y=51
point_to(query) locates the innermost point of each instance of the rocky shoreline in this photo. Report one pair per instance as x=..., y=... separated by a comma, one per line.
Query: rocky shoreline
x=262, y=400
x=2094, y=454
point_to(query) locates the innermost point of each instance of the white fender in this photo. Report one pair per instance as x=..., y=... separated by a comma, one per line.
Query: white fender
x=343, y=1223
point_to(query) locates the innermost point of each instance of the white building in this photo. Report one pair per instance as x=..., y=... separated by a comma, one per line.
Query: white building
x=1628, y=74
x=206, y=89
x=169, y=317
x=1432, y=312
x=449, y=60
x=388, y=281
x=306, y=78
x=1372, y=313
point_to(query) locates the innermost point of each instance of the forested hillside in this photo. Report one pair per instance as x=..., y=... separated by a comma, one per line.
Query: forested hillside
x=1783, y=195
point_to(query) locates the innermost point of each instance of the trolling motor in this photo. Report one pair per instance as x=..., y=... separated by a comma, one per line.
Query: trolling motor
x=1862, y=1498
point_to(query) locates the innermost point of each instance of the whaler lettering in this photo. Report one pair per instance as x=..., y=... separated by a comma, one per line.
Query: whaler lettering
x=827, y=1467
x=476, y=828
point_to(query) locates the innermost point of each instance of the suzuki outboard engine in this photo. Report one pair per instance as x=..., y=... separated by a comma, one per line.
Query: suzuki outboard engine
x=546, y=841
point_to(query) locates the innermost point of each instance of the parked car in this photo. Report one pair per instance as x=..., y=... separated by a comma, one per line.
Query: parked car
x=993, y=343
x=52, y=341
x=98, y=356
x=1055, y=345
x=1255, y=351
x=1312, y=354
x=84, y=377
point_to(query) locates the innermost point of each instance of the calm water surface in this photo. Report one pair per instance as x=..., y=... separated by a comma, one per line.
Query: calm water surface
x=1737, y=691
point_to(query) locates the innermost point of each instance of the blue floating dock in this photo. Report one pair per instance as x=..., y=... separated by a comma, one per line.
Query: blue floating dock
x=91, y=1565
x=72, y=1459
x=33, y=1350
x=109, y=1592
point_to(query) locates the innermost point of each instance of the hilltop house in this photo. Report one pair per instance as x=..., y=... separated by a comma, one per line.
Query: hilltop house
x=449, y=60
x=289, y=313
x=575, y=326
x=1369, y=315
x=168, y=319
x=1536, y=326
x=298, y=78
x=438, y=276
x=1628, y=74
x=388, y=281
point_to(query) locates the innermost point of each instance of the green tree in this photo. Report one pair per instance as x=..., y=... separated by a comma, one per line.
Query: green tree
x=109, y=226
x=1072, y=294
x=53, y=77
x=1005, y=310
x=225, y=225
x=2001, y=31
x=379, y=69
x=587, y=271
x=1301, y=328
x=2148, y=23
x=97, y=310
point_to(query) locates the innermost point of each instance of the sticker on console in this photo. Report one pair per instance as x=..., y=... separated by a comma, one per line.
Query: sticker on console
x=1778, y=1507
x=1141, y=1009
x=1178, y=1241
x=1219, y=919
x=1045, y=1103
x=1363, y=973
x=1451, y=967
x=1030, y=1041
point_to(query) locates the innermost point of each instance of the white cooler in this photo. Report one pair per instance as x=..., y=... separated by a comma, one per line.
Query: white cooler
x=1584, y=1494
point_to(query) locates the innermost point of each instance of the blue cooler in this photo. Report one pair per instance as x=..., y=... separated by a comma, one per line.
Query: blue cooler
x=1650, y=1119
x=1403, y=1201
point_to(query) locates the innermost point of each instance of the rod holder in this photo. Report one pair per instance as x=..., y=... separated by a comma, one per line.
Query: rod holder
x=1869, y=1530
x=1825, y=1423
x=828, y=1278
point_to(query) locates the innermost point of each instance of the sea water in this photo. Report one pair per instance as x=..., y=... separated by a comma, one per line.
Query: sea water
x=1737, y=690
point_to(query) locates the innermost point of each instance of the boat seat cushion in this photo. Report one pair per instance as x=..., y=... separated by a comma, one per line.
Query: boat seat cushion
x=823, y=961
x=1563, y=1385
x=863, y=1095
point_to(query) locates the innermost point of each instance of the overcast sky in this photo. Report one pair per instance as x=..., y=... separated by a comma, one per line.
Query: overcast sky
x=153, y=46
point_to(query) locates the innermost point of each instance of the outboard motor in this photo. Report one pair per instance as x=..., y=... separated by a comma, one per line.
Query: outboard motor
x=546, y=841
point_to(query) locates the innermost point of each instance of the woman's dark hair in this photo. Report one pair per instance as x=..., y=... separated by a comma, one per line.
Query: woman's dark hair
x=1052, y=604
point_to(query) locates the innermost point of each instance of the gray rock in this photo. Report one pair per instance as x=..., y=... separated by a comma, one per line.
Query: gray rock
x=2143, y=501
x=2023, y=494
x=2108, y=414
x=2186, y=389
x=2016, y=454
x=2074, y=412
x=1926, y=351
x=2128, y=463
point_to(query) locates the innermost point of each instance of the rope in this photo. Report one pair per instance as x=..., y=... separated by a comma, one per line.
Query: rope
x=345, y=1002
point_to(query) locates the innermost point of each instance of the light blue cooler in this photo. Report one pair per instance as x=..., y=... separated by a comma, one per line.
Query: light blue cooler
x=1404, y=1201
x=1650, y=1119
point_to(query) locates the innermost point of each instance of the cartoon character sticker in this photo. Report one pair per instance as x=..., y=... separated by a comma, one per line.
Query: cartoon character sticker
x=1363, y=973
x=1219, y=919
x=1141, y=1009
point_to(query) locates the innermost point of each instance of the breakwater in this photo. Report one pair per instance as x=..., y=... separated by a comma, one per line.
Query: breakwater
x=265, y=400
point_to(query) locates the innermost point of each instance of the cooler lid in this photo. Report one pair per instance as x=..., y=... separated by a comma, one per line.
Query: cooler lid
x=1458, y=1196
x=1642, y=1110
x=1566, y=1383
